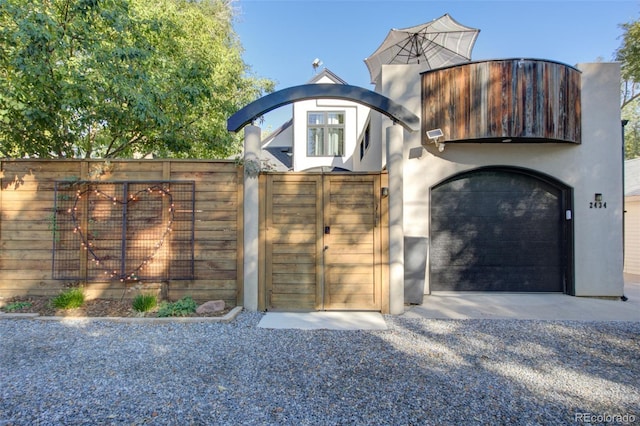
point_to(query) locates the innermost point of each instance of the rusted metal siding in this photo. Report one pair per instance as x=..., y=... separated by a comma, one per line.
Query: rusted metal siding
x=493, y=101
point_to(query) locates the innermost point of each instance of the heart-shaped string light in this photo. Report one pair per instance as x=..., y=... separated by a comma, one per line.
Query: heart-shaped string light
x=87, y=245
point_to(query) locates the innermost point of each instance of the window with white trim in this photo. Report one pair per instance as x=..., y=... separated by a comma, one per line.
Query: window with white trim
x=325, y=133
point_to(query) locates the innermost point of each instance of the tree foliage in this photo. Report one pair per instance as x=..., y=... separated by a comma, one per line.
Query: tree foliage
x=117, y=78
x=629, y=56
x=631, y=113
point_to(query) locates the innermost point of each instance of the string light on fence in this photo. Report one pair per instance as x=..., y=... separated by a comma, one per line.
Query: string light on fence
x=87, y=245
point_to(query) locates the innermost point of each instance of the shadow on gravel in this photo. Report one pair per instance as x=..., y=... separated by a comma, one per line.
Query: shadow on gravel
x=550, y=372
x=416, y=372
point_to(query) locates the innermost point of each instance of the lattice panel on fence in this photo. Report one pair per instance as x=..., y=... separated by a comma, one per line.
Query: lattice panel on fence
x=124, y=230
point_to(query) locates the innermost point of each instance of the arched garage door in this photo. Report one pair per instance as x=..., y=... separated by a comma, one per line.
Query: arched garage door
x=500, y=229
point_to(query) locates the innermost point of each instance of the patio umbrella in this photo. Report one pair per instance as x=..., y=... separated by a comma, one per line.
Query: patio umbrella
x=435, y=44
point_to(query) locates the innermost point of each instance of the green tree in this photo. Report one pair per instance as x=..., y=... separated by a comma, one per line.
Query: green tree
x=629, y=56
x=114, y=78
x=631, y=113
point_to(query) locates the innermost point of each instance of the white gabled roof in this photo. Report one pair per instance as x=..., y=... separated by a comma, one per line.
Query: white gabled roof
x=325, y=73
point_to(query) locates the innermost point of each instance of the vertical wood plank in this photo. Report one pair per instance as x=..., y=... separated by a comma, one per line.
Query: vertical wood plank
x=240, y=239
x=268, y=241
x=377, y=252
x=323, y=219
x=503, y=99
x=84, y=207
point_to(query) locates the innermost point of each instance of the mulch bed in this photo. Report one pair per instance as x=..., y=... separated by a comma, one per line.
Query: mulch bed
x=91, y=308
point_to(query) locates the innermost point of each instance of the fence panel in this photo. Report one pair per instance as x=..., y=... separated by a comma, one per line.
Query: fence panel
x=31, y=226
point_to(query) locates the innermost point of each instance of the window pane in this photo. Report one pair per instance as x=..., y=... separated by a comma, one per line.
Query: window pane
x=316, y=118
x=335, y=118
x=335, y=142
x=366, y=137
x=314, y=142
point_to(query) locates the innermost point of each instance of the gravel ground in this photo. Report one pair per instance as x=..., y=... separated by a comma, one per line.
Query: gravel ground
x=415, y=373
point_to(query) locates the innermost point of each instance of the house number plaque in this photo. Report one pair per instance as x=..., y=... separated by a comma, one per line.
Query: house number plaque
x=598, y=205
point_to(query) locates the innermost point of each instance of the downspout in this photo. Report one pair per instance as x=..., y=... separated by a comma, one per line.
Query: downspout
x=624, y=209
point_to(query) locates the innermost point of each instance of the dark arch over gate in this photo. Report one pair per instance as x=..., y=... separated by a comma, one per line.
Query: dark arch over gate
x=501, y=229
x=373, y=100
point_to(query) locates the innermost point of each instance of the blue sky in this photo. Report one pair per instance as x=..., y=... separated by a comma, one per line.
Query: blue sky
x=282, y=38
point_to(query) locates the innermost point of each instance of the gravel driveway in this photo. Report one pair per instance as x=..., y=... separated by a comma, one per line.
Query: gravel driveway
x=417, y=372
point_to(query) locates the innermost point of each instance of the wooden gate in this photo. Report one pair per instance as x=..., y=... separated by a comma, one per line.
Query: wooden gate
x=322, y=241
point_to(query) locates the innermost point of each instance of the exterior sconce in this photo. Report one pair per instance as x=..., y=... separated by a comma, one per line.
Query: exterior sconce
x=598, y=198
x=384, y=191
x=434, y=136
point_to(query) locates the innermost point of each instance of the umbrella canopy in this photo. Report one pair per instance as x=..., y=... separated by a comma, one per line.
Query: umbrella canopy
x=436, y=44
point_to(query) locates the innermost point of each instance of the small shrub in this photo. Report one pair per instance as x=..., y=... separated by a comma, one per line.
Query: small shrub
x=144, y=302
x=69, y=299
x=16, y=306
x=180, y=308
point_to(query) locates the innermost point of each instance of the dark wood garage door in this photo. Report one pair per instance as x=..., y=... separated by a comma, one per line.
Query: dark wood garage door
x=499, y=230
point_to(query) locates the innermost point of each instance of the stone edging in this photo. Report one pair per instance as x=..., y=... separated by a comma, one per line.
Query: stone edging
x=230, y=316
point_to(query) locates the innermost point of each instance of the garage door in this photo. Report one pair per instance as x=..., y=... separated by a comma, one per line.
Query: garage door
x=499, y=230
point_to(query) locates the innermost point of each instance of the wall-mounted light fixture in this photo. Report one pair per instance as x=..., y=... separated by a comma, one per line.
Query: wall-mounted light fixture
x=598, y=197
x=434, y=136
x=384, y=191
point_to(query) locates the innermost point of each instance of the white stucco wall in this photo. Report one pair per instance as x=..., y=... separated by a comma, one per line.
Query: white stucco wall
x=591, y=167
x=352, y=117
x=356, y=117
x=372, y=160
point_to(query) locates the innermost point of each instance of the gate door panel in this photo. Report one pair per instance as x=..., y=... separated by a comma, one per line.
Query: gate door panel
x=352, y=254
x=293, y=237
x=322, y=242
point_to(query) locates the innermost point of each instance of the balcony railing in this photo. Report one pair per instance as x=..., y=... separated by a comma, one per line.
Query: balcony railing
x=513, y=100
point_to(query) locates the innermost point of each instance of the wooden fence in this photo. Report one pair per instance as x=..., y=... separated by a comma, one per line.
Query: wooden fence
x=29, y=227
